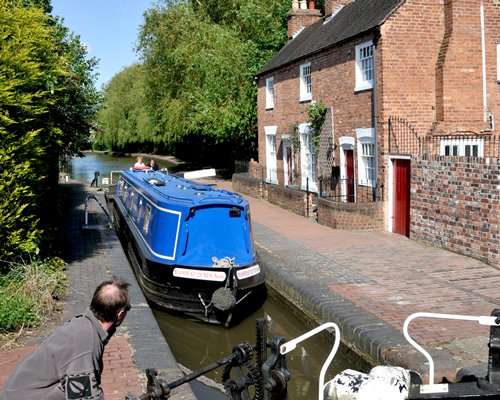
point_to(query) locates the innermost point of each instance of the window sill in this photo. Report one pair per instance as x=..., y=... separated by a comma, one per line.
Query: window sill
x=364, y=86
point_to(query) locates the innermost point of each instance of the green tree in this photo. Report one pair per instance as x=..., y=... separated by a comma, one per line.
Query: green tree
x=199, y=80
x=195, y=85
x=29, y=63
x=124, y=118
x=47, y=103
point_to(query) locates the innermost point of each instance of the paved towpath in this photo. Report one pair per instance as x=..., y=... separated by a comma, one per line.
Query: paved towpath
x=369, y=283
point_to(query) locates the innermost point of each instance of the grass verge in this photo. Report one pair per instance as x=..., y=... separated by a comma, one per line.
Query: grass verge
x=29, y=292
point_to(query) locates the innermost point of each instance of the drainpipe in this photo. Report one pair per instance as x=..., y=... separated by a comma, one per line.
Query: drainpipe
x=483, y=52
x=376, y=37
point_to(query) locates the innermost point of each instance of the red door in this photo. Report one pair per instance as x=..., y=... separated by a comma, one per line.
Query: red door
x=349, y=171
x=401, y=200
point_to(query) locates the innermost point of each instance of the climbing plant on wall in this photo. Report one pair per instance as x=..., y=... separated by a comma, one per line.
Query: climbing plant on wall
x=316, y=117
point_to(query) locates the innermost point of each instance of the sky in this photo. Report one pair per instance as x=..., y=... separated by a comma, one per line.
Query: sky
x=109, y=29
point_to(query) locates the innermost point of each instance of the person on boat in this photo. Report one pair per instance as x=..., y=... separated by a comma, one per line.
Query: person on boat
x=153, y=165
x=139, y=163
x=68, y=364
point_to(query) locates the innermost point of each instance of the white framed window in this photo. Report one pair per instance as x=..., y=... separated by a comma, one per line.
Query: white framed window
x=367, y=157
x=462, y=147
x=305, y=82
x=271, y=162
x=307, y=159
x=270, y=93
x=365, y=66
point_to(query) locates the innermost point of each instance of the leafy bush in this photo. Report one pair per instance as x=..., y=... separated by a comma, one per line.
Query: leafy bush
x=28, y=292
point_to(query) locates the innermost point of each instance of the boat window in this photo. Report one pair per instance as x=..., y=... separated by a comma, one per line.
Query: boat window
x=135, y=205
x=131, y=199
x=140, y=210
x=120, y=187
x=125, y=196
x=147, y=216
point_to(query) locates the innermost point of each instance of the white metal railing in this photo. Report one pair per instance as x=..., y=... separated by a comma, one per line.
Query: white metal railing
x=292, y=344
x=482, y=320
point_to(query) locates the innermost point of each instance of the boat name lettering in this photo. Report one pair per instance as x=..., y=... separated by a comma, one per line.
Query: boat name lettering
x=248, y=272
x=200, y=275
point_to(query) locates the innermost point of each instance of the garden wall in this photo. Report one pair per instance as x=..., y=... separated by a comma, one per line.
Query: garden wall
x=351, y=216
x=455, y=204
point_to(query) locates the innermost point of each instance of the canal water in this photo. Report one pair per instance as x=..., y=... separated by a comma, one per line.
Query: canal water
x=83, y=169
x=196, y=345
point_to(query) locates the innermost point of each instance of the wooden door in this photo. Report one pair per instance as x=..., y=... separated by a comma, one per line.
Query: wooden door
x=349, y=170
x=401, y=197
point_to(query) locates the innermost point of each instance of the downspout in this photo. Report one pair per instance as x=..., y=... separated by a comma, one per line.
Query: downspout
x=376, y=38
x=483, y=53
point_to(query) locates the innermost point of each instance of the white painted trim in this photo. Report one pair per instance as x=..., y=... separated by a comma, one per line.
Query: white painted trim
x=269, y=94
x=305, y=173
x=304, y=95
x=366, y=136
x=361, y=84
x=271, y=159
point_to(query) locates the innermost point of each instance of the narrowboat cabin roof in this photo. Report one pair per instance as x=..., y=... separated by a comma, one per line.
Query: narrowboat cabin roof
x=172, y=189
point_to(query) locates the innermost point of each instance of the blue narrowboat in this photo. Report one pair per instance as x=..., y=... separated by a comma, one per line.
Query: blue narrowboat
x=190, y=245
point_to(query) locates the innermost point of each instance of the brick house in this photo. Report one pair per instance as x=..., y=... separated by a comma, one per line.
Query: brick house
x=400, y=79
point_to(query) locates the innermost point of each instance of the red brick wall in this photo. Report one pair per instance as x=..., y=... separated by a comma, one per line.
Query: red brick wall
x=333, y=82
x=432, y=65
x=351, y=216
x=455, y=204
x=245, y=184
x=428, y=71
x=293, y=200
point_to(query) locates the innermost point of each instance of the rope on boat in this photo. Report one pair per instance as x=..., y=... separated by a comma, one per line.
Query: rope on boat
x=225, y=262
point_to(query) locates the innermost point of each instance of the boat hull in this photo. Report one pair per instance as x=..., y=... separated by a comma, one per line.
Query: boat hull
x=187, y=289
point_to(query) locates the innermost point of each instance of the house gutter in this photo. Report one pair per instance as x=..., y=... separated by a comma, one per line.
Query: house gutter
x=483, y=53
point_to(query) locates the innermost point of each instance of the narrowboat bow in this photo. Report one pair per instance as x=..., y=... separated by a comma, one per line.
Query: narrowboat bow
x=190, y=245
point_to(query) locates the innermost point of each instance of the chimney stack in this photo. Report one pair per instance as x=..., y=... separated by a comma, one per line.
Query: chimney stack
x=331, y=5
x=301, y=16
